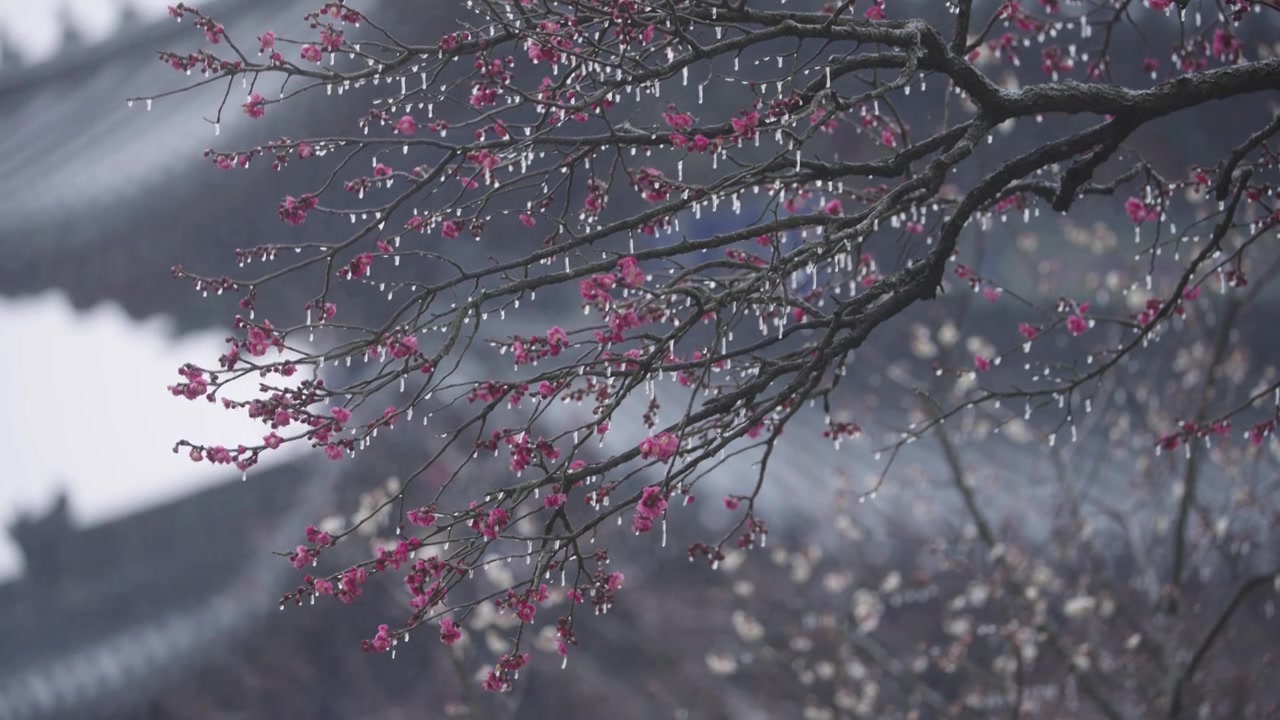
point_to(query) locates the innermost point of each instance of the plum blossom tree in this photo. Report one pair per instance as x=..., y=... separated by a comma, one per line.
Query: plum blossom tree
x=857, y=162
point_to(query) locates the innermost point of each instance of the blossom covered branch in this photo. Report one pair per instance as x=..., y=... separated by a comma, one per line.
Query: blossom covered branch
x=716, y=262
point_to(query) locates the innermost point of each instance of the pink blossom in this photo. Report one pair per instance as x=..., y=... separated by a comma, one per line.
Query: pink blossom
x=311, y=53
x=876, y=11
x=294, y=210
x=256, y=107
x=653, y=503
x=1076, y=324
x=495, y=681
x=1140, y=212
x=554, y=500
x=1225, y=45
x=360, y=264
x=305, y=150
x=661, y=446
x=981, y=364
x=1027, y=331
x=629, y=272
x=833, y=207
x=214, y=34
x=526, y=611
x=678, y=121
x=266, y=41
x=402, y=346
x=272, y=440
x=991, y=293
x=349, y=585
x=731, y=503
x=342, y=415
x=406, y=125
x=494, y=524
x=745, y=126
x=331, y=39
x=300, y=557
x=485, y=159
x=449, y=632
x=381, y=642
x=557, y=338
x=527, y=220
x=449, y=229
x=318, y=537
x=333, y=451
x=422, y=517
x=888, y=138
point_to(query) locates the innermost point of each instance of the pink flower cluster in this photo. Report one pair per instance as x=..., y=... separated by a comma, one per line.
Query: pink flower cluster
x=422, y=517
x=349, y=585
x=294, y=210
x=255, y=107
x=449, y=632
x=745, y=127
x=381, y=642
x=194, y=387
x=524, y=451
x=1139, y=211
x=661, y=446
x=536, y=348
x=402, y=346
x=596, y=289
x=653, y=502
x=261, y=338
x=677, y=120
x=629, y=272
x=491, y=525
x=698, y=143
x=499, y=679
x=426, y=582
x=652, y=185
x=396, y=556
x=524, y=604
